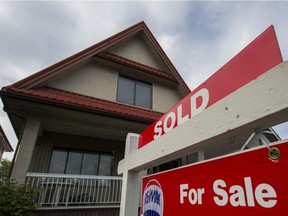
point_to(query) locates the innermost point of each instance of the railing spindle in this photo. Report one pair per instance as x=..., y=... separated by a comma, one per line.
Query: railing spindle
x=70, y=190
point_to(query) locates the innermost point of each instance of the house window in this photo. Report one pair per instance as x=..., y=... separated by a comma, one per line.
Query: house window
x=80, y=162
x=134, y=92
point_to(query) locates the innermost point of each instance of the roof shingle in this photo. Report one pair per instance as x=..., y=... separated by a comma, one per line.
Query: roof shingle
x=97, y=105
x=136, y=65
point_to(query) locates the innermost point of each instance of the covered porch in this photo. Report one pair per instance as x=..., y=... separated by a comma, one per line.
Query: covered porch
x=66, y=190
x=74, y=171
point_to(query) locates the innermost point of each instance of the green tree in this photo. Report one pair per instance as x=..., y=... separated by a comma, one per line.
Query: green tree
x=16, y=199
x=5, y=166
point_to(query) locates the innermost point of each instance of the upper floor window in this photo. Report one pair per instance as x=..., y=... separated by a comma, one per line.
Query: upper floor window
x=134, y=92
x=67, y=161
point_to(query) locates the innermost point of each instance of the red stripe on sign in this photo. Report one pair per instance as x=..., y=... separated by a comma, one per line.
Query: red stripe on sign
x=258, y=57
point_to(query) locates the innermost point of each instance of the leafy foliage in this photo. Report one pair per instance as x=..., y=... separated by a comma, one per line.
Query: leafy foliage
x=5, y=166
x=16, y=199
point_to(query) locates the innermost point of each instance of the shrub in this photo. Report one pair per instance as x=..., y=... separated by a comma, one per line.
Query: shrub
x=5, y=165
x=16, y=199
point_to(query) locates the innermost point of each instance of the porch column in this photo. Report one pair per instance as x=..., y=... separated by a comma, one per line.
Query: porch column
x=26, y=146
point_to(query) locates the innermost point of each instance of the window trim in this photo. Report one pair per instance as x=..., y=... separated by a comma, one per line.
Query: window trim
x=68, y=150
x=141, y=82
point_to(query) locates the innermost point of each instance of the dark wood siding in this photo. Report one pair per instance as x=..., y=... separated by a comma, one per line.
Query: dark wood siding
x=49, y=140
x=79, y=212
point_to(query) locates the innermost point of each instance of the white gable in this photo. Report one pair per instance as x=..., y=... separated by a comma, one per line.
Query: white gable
x=139, y=50
x=98, y=78
x=92, y=79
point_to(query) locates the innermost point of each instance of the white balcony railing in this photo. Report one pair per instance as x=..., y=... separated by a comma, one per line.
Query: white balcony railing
x=75, y=190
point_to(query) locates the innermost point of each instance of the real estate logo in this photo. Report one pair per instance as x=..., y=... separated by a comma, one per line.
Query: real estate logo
x=153, y=202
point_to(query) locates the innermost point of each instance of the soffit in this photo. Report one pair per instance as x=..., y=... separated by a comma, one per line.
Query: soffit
x=71, y=121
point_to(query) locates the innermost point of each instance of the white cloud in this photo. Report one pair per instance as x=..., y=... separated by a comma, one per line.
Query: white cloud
x=166, y=16
x=168, y=42
x=227, y=28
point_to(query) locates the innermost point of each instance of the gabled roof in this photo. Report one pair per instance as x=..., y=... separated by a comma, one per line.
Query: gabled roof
x=49, y=72
x=4, y=141
x=33, y=87
x=136, y=65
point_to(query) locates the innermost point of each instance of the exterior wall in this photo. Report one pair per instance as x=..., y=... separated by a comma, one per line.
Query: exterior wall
x=97, y=80
x=1, y=146
x=43, y=149
x=91, y=79
x=4, y=143
x=79, y=212
x=164, y=97
x=137, y=50
x=1, y=152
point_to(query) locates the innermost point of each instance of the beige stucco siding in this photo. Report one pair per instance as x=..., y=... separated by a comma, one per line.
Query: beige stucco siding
x=136, y=49
x=95, y=79
x=164, y=97
x=26, y=147
x=92, y=79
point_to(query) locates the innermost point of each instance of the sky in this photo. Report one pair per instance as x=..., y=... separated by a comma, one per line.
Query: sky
x=198, y=36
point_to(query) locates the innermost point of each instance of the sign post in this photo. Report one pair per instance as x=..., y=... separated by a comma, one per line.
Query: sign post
x=130, y=198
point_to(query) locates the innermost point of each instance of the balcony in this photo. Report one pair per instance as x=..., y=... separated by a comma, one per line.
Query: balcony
x=63, y=190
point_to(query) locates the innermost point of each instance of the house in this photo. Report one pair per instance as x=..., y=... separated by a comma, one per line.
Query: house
x=73, y=117
x=5, y=145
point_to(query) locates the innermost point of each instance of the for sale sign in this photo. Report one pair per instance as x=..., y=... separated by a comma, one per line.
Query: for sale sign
x=246, y=183
x=257, y=58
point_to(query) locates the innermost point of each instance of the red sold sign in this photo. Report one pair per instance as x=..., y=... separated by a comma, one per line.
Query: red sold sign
x=245, y=183
x=257, y=58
